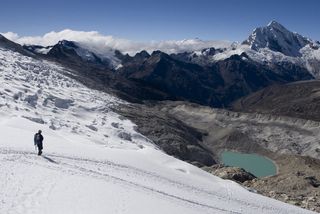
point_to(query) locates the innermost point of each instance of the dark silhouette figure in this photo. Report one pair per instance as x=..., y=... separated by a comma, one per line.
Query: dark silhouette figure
x=38, y=139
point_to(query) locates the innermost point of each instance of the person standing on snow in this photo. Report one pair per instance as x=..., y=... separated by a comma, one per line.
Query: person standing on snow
x=38, y=139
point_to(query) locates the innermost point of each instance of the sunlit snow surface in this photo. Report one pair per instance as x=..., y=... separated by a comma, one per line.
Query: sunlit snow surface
x=41, y=93
x=94, y=161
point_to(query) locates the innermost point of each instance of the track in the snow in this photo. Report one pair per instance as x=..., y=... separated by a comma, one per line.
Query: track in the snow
x=105, y=170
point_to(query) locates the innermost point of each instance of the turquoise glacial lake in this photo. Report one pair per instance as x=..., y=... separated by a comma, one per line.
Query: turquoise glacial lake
x=253, y=163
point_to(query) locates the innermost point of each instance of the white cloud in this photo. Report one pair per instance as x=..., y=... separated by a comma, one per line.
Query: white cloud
x=10, y=35
x=100, y=43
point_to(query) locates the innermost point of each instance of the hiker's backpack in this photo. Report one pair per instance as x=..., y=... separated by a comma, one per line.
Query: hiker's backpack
x=37, y=138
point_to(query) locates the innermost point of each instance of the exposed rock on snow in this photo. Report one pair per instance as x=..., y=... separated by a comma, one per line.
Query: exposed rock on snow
x=100, y=174
x=277, y=38
x=43, y=94
x=231, y=173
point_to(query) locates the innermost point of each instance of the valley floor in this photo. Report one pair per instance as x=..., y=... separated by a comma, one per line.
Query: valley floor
x=290, y=143
x=94, y=160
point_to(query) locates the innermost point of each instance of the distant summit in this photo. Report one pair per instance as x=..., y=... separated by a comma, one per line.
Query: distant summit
x=277, y=38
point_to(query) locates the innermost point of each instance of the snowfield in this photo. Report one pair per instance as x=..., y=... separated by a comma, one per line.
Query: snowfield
x=94, y=161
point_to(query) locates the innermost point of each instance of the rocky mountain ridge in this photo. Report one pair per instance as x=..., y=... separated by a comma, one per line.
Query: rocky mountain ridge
x=214, y=76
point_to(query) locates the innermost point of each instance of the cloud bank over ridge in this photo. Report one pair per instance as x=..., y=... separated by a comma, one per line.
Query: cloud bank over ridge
x=99, y=42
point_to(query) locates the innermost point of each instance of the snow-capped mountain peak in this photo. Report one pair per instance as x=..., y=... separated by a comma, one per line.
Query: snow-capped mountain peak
x=93, y=153
x=74, y=46
x=67, y=43
x=72, y=50
x=277, y=38
x=277, y=25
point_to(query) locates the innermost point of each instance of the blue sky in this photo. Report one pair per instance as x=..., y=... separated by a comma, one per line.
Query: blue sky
x=143, y=20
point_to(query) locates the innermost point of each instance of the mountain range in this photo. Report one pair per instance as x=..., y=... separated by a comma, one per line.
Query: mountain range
x=214, y=76
x=259, y=96
x=271, y=58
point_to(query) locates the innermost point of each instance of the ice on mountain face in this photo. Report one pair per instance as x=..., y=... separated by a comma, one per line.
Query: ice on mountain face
x=228, y=53
x=91, y=53
x=82, y=52
x=274, y=44
x=269, y=45
x=93, y=156
x=277, y=38
x=43, y=50
x=311, y=57
x=38, y=49
x=276, y=25
x=44, y=95
x=207, y=56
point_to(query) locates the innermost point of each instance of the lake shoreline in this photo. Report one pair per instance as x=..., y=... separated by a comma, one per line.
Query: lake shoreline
x=259, y=165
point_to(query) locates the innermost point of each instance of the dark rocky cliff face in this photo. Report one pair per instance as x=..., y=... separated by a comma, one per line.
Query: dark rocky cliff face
x=277, y=38
x=172, y=135
x=9, y=45
x=300, y=99
x=216, y=85
x=195, y=133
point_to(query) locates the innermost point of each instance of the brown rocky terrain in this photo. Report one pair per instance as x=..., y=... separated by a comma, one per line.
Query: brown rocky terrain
x=299, y=99
x=169, y=133
x=198, y=135
x=297, y=181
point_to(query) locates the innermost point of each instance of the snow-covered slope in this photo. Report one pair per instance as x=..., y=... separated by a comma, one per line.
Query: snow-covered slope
x=277, y=38
x=276, y=44
x=91, y=52
x=82, y=51
x=94, y=161
x=269, y=45
x=38, y=49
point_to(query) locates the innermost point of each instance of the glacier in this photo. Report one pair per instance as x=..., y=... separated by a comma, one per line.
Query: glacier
x=94, y=160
